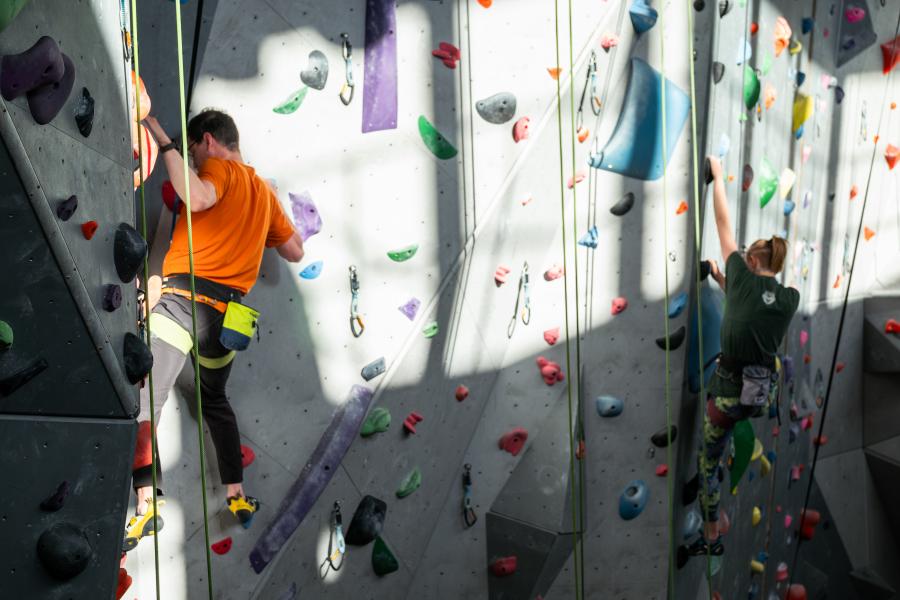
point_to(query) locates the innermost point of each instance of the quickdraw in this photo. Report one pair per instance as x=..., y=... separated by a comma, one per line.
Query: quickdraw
x=126, y=36
x=526, y=309
x=356, y=322
x=336, y=539
x=469, y=515
x=863, y=129
x=349, y=86
x=590, y=82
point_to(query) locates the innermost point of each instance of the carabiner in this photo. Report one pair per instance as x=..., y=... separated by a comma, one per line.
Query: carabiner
x=347, y=52
x=526, y=309
x=357, y=327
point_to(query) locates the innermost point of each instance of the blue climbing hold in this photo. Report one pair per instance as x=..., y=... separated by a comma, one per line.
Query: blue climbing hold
x=643, y=16
x=771, y=456
x=724, y=146
x=677, y=304
x=799, y=133
x=807, y=24
x=635, y=148
x=692, y=524
x=800, y=78
x=633, y=500
x=312, y=271
x=745, y=52
x=590, y=239
x=788, y=207
x=609, y=406
x=711, y=306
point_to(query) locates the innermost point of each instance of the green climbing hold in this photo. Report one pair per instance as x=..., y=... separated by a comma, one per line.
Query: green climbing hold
x=744, y=439
x=6, y=335
x=766, y=65
x=751, y=88
x=768, y=182
x=403, y=254
x=431, y=329
x=434, y=141
x=410, y=483
x=378, y=421
x=383, y=560
x=292, y=103
x=8, y=11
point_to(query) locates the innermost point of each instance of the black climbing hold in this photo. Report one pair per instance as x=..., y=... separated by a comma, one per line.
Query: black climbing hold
x=84, y=113
x=129, y=251
x=624, y=205
x=39, y=65
x=368, y=521
x=699, y=5
x=704, y=270
x=724, y=7
x=55, y=502
x=675, y=339
x=718, y=71
x=383, y=560
x=46, y=101
x=138, y=358
x=66, y=208
x=707, y=172
x=660, y=439
x=112, y=297
x=64, y=550
x=690, y=490
x=682, y=556
x=10, y=384
x=838, y=94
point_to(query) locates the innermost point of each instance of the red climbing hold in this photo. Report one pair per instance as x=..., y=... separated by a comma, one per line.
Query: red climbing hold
x=170, y=198
x=796, y=592
x=409, y=423
x=806, y=423
x=754, y=27
x=662, y=470
x=247, y=456
x=551, y=336
x=462, y=392
x=550, y=371
x=513, y=440
x=892, y=156
x=809, y=519
x=123, y=584
x=890, y=53
x=88, y=229
x=554, y=272
x=892, y=326
x=682, y=208
x=222, y=546
x=854, y=192
x=522, y=129
x=448, y=53
x=618, y=305
x=503, y=567
x=820, y=440
x=839, y=367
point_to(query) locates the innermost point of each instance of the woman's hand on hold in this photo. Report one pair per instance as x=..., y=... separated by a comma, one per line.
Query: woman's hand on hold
x=715, y=167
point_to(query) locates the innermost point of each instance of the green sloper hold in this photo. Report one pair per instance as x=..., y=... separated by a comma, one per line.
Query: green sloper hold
x=434, y=141
x=403, y=253
x=378, y=421
x=751, y=88
x=8, y=11
x=744, y=440
x=383, y=560
x=768, y=182
x=292, y=103
x=431, y=329
x=6, y=335
x=410, y=483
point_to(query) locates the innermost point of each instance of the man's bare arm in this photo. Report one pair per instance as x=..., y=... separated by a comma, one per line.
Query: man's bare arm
x=203, y=193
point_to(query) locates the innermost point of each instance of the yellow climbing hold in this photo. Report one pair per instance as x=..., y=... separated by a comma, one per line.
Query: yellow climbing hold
x=757, y=450
x=764, y=466
x=757, y=567
x=803, y=110
x=757, y=516
x=786, y=182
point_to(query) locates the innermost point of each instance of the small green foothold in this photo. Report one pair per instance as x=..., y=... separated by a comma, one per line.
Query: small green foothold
x=378, y=421
x=292, y=103
x=403, y=254
x=766, y=65
x=6, y=335
x=410, y=483
x=431, y=329
x=434, y=141
x=383, y=560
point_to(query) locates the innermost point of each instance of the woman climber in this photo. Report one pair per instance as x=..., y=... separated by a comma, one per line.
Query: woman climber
x=758, y=311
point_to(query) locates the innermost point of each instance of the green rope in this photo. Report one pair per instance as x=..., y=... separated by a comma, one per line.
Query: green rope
x=196, y=349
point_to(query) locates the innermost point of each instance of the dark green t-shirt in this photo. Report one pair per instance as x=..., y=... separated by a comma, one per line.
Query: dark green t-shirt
x=758, y=311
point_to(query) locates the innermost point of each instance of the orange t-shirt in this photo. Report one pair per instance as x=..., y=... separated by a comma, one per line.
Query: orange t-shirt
x=230, y=237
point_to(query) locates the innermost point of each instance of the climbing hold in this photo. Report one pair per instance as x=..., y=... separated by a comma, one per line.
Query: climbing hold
x=662, y=470
x=247, y=456
x=124, y=582
x=621, y=207
x=45, y=101
x=796, y=591
x=403, y=254
x=854, y=14
x=505, y=566
x=747, y=180
x=796, y=470
x=820, y=440
x=448, y=53
x=383, y=560
x=40, y=65
x=724, y=147
x=292, y=102
x=434, y=141
x=373, y=369
x=129, y=251
x=312, y=270
x=609, y=406
x=633, y=500
x=724, y=7
x=501, y=274
x=677, y=305
x=757, y=516
x=486, y=3
x=591, y=239
x=66, y=208
x=378, y=421
x=892, y=156
x=84, y=113
x=769, y=95
x=799, y=78
x=838, y=94
x=514, y=440
x=718, y=71
x=551, y=336
x=664, y=436
x=368, y=521
x=890, y=55
x=744, y=442
x=788, y=519
x=222, y=546
x=575, y=179
x=782, y=35
x=768, y=182
x=521, y=130
x=609, y=40
x=807, y=25
x=795, y=47
x=410, y=483
x=754, y=28
x=804, y=337
x=316, y=72
x=431, y=329
x=64, y=550
x=809, y=519
x=554, y=72
x=692, y=524
x=803, y=110
x=781, y=572
x=497, y=109
x=765, y=66
x=550, y=371
x=890, y=326
x=786, y=182
x=618, y=305
x=7, y=336
x=411, y=420
x=674, y=341
x=745, y=52
x=8, y=385
x=643, y=16
x=88, y=229
x=462, y=392
x=724, y=523
x=764, y=466
x=306, y=216
x=411, y=308
x=137, y=358
x=699, y=5
x=112, y=297
x=682, y=208
x=751, y=88
x=55, y=501
x=758, y=568
x=554, y=272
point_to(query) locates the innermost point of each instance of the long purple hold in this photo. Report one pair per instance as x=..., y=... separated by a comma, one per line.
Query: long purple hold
x=319, y=470
x=380, y=70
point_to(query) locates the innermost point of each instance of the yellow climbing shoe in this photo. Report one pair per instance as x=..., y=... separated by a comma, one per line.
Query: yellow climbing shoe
x=142, y=525
x=243, y=508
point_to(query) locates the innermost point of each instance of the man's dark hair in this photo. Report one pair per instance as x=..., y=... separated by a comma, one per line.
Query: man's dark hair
x=216, y=123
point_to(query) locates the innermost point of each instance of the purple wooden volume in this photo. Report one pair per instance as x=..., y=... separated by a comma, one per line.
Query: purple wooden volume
x=380, y=69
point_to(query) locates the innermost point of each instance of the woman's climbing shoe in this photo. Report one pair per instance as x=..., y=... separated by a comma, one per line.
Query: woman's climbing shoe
x=142, y=525
x=701, y=547
x=243, y=508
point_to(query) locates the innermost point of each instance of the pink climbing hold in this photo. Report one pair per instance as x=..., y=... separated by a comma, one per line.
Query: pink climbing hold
x=854, y=14
x=504, y=567
x=551, y=336
x=462, y=392
x=409, y=423
x=724, y=522
x=247, y=456
x=448, y=53
x=554, y=272
x=514, y=440
x=892, y=326
x=806, y=152
x=576, y=179
x=550, y=371
x=796, y=470
x=804, y=337
x=500, y=275
x=662, y=470
x=806, y=423
x=788, y=519
x=618, y=305
x=522, y=129
x=781, y=573
x=820, y=440
x=609, y=40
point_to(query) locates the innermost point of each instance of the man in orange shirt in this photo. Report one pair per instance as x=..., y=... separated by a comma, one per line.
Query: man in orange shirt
x=235, y=216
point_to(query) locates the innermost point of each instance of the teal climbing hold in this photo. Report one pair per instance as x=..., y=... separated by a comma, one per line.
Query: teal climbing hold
x=410, y=483
x=590, y=239
x=677, y=304
x=788, y=207
x=744, y=440
x=711, y=307
x=633, y=500
x=403, y=254
x=692, y=524
x=434, y=141
x=383, y=560
x=378, y=421
x=312, y=271
x=292, y=103
x=609, y=406
x=6, y=335
x=643, y=16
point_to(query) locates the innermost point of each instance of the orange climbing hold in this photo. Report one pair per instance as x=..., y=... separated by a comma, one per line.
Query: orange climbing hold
x=486, y=3
x=769, y=95
x=550, y=371
x=868, y=233
x=782, y=35
x=583, y=133
x=892, y=326
x=890, y=53
x=88, y=229
x=892, y=155
x=837, y=282
x=682, y=208
x=554, y=72
x=854, y=192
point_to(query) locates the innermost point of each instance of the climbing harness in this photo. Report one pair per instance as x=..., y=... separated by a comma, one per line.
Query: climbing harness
x=526, y=309
x=469, y=515
x=346, y=93
x=357, y=327
x=336, y=545
x=590, y=83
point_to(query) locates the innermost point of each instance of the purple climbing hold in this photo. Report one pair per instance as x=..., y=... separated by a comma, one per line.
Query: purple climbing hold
x=112, y=297
x=39, y=65
x=66, y=208
x=411, y=308
x=380, y=67
x=46, y=101
x=306, y=215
